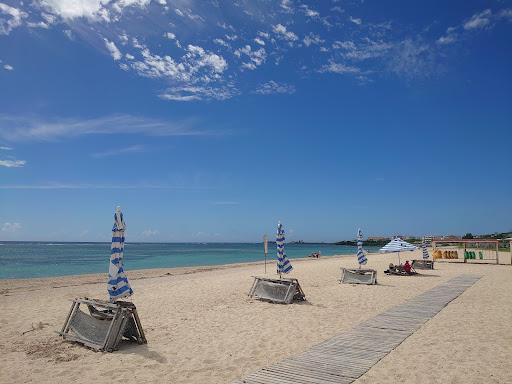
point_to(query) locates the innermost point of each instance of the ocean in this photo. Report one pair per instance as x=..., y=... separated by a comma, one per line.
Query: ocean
x=44, y=259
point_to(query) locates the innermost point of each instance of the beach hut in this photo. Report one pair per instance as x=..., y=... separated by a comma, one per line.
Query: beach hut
x=105, y=323
x=279, y=290
x=397, y=245
x=359, y=276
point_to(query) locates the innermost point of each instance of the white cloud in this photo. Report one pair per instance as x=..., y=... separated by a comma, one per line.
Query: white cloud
x=10, y=18
x=479, y=20
x=71, y=9
x=413, y=59
x=170, y=35
x=256, y=57
x=308, y=11
x=119, y=5
x=221, y=42
x=198, y=92
x=12, y=163
x=92, y=10
x=271, y=87
x=8, y=67
x=340, y=68
x=350, y=45
x=259, y=41
x=356, y=20
x=114, y=51
x=446, y=40
x=197, y=65
x=11, y=227
x=312, y=39
x=5, y=148
x=366, y=49
x=286, y=5
x=283, y=33
x=15, y=128
x=119, y=151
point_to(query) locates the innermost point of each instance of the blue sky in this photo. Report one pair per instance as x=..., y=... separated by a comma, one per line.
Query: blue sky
x=212, y=120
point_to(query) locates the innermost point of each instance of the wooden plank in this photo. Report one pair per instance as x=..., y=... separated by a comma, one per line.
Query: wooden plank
x=347, y=356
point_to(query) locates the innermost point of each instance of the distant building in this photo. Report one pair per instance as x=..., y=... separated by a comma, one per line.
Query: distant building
x=377, y=238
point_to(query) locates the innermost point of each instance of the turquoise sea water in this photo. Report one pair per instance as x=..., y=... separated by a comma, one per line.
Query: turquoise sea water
x=39, y=259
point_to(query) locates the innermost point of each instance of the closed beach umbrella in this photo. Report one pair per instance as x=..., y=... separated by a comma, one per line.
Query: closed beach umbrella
x=361, y=258
x=424, y=250
x=398, y=245
x=118, y=285
x=283, y=264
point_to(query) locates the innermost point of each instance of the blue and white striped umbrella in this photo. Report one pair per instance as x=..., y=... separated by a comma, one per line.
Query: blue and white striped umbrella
x=398, y=245
x=118, y=285
x=361, y=258
x=424, y=250
x=283, y=264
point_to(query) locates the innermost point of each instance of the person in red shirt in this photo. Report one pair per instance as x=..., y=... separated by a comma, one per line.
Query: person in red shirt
x=407, y=267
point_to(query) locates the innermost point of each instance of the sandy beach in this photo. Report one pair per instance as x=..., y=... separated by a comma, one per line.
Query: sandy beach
x=202, y=328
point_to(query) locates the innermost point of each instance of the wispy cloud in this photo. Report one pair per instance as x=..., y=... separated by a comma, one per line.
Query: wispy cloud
x=12, y=163
x=198, y=92
x=479, y=20
x=283, y=33
x=412, y=59
x=8, y=67
x=113, y=50
x=119, y=151
x=340, y=68
x=356, y=20
x=10, y=227
x=2, y=148
x=10, y=18
x=15, y=128
x=272, y=86
x=212, y=54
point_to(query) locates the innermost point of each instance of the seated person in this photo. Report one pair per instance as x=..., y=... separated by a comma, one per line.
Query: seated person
x=407, y=267
x=391, y=268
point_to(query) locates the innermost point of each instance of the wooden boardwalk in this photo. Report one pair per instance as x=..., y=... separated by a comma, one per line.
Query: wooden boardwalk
x=350, y=354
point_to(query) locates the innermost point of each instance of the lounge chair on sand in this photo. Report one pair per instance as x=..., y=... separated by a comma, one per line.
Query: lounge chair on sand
x=423, y=264
x=358, y=276
x=283, y=291
x=106, y=324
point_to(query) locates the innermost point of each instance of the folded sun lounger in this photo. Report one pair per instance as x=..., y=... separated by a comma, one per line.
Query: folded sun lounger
x=106, y=324
x=423, y=264
x=358, y=276
x=283, y=291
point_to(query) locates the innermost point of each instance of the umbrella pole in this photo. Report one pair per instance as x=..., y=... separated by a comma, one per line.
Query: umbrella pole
x=265, y=263
x=399, y=258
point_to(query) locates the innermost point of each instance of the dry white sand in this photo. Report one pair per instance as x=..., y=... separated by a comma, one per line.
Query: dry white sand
x=202, y=328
